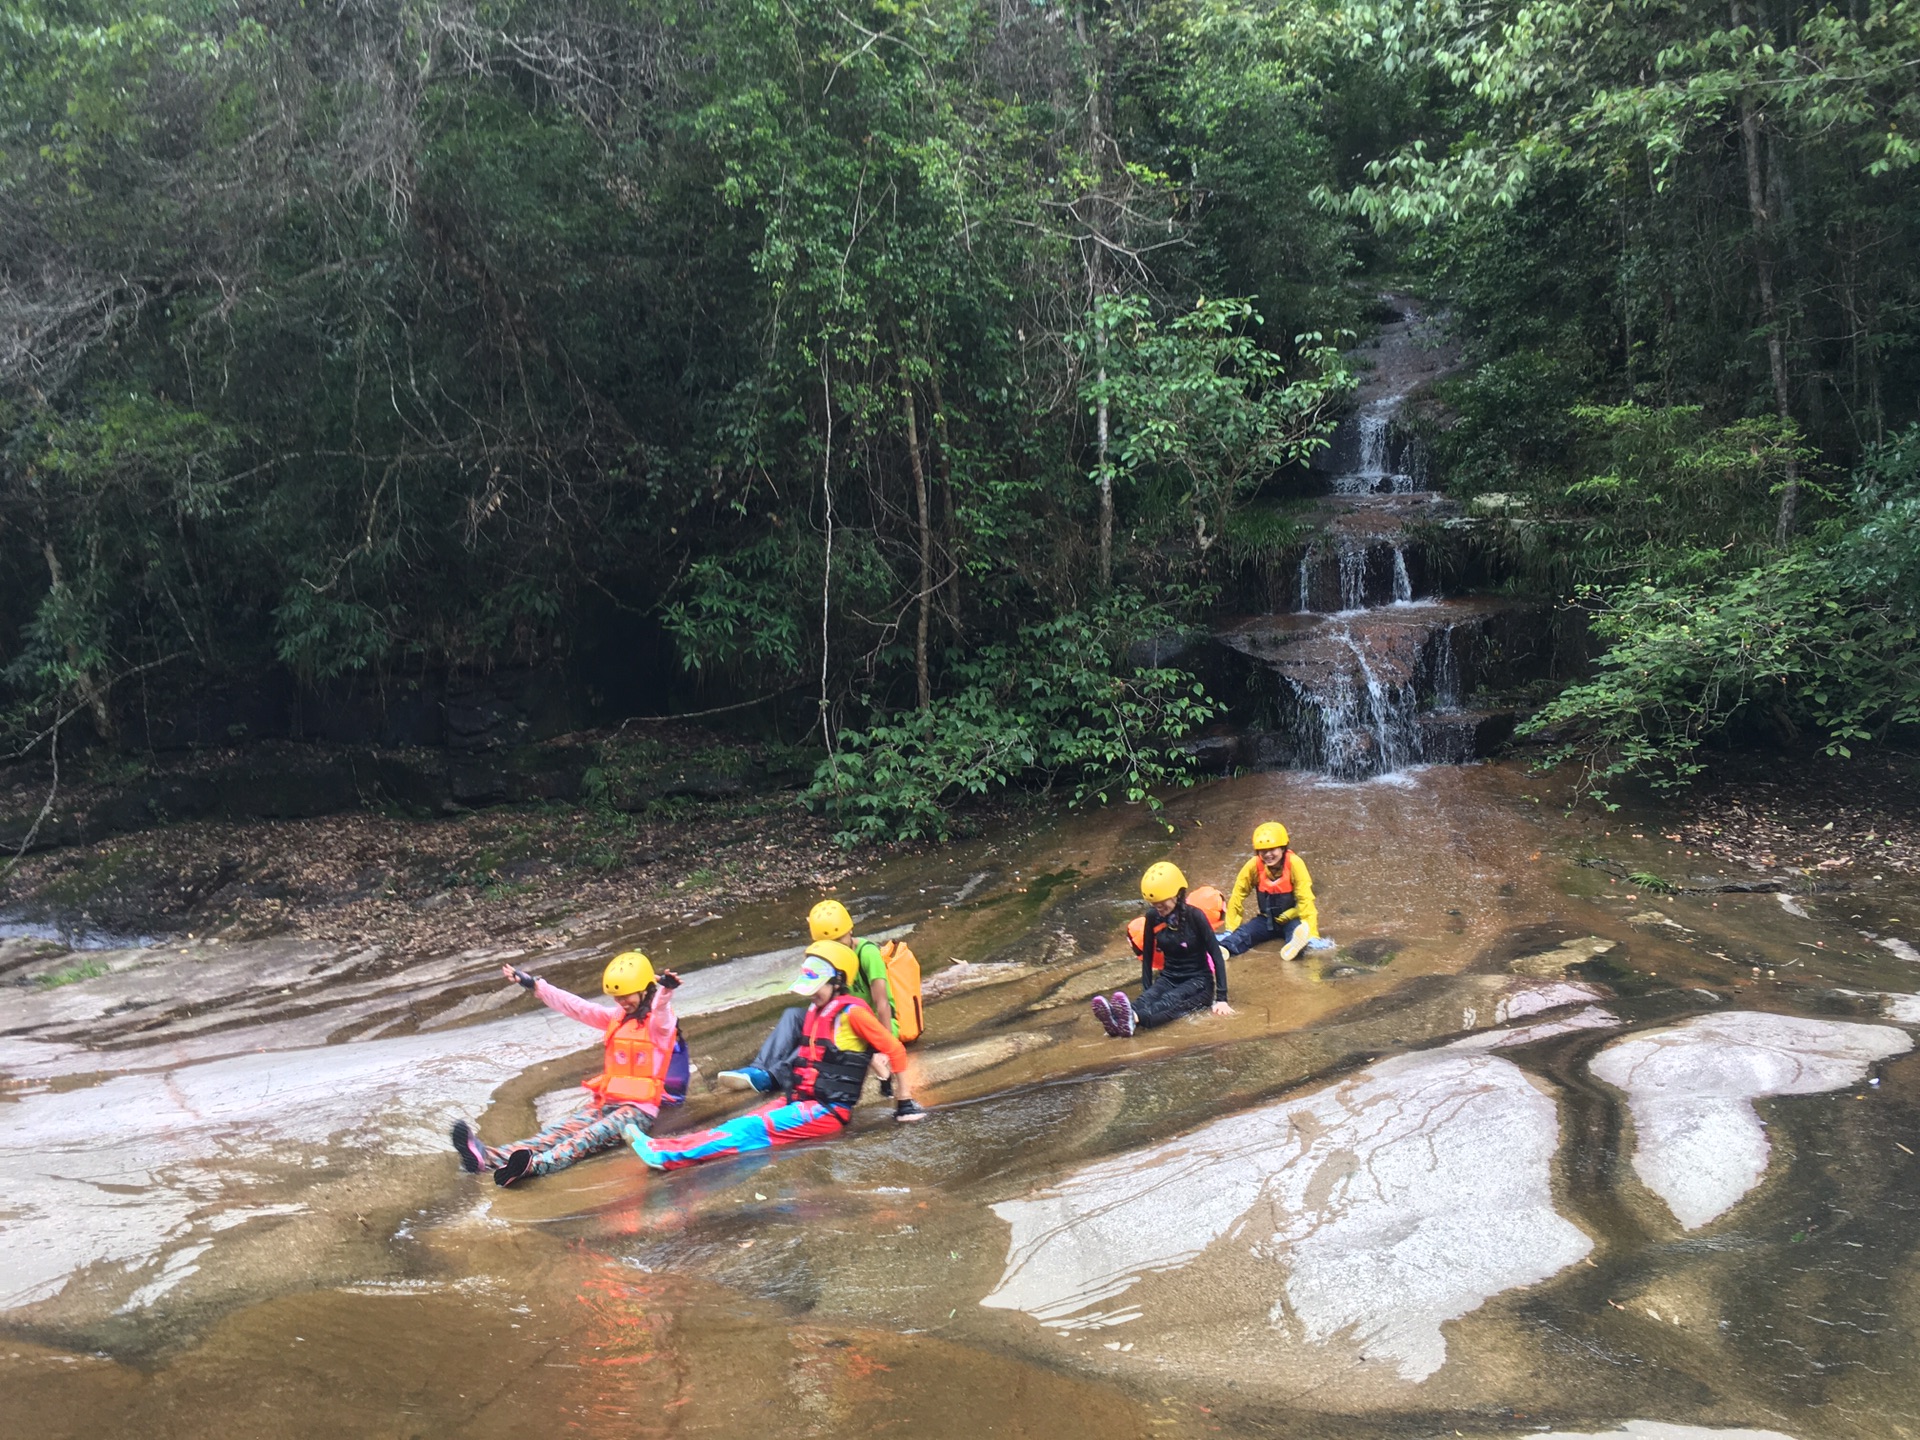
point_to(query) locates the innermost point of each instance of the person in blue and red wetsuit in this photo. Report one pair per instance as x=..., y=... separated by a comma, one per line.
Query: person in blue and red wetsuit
x=645, y=1066
x=838, y=1038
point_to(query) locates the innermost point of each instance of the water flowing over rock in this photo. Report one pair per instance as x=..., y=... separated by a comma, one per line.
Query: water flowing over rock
x=1369, y=673
x=139, y=1169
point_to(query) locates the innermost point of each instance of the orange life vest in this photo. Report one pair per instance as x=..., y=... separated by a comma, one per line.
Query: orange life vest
x=822, y=1071
x=634, y=1071
x=1276, y=893
x=1207, y=900
x=1266, y=882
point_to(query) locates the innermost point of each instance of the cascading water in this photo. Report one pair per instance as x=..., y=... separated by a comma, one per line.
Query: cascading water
x=1369, y=729
x=1353, y=579
x=1357, y=673
x=1373, y=471
x=1446, y=671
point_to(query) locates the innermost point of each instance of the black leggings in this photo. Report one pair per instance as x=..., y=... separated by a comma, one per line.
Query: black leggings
x=1164, y=1000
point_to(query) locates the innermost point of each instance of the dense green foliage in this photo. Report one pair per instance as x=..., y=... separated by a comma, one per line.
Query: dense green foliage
x=1062, y=700
x=1684, y=243
x=1819, y=633
x=901, y=362
x=769, y=340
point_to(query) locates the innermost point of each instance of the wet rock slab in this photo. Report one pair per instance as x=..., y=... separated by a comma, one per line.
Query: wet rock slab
x=1362, y=1215
x=1698, y=1143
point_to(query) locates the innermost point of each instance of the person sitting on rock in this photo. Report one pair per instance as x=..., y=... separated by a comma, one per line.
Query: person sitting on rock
x=1180, y=945
x=829, y=924
x=839, y=1035
x=645, y=1066
x=1276, y=879
x=1204, y=898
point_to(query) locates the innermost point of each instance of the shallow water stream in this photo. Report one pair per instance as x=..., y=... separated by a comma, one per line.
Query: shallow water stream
x=1534, y=1150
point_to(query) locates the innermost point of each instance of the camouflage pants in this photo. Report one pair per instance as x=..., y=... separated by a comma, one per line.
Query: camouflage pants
x=585, y=1132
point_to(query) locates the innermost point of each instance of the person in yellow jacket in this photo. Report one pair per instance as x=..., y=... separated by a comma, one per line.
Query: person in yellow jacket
x=1272, y=898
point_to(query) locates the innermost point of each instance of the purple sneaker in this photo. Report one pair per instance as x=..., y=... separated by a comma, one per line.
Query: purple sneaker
x=466, y=1144
x=1103, y=1012
x=1124, y=1020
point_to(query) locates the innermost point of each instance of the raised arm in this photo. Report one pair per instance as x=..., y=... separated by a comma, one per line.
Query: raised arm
x=554, y=998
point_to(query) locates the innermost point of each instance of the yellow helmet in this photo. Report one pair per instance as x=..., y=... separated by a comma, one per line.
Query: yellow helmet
x=628, y=973
x=1270, y=836
x=1162, y=881
x=837, y=955
x=829, y=920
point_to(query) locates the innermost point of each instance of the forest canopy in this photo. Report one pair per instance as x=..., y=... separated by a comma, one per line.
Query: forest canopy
x=882, y=359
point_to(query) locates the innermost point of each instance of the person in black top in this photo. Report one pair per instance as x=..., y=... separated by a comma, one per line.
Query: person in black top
x=1192, y=970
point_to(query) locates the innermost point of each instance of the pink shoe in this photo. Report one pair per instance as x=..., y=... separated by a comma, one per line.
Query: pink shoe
x=1124, y=1020
x=1103, y=1012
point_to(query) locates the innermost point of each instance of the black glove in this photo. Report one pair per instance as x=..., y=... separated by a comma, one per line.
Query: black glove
x=669, y=980
x=909, y=1110
x=523, y=977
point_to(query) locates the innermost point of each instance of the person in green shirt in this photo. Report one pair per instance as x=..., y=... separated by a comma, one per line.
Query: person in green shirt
x=832, y=929
x=829, y=920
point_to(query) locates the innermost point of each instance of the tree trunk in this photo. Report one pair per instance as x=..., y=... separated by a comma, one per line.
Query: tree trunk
x=86, y=685
x=1762, y=222
x=1106, y=488
x=923, y=506
x=942, y=449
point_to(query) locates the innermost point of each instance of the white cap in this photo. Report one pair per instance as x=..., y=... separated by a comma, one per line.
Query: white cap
x=815, y=973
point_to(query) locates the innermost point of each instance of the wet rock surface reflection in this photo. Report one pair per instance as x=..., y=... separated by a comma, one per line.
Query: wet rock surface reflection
x=1533, y=1151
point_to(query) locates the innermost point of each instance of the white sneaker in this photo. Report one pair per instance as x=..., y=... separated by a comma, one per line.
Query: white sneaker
x=1294, y=946
x=734, y=1080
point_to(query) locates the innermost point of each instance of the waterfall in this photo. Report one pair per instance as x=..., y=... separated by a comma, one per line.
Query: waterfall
x=1362, y=662
x=1372, y=431
x=1446, y=671
x=1374, y=440
x=1353, y=578
x=1367, y=726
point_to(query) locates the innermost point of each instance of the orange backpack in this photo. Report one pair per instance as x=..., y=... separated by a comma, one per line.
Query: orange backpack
x=1207, y=900
x=903, y=989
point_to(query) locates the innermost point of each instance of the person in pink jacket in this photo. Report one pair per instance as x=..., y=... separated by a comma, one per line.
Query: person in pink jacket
x=645, y=1066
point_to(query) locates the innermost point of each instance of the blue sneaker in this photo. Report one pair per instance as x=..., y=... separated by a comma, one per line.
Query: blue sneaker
x=747, y=1077
x=643, y=1147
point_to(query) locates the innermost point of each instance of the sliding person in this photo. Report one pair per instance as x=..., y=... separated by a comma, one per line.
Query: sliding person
x=873, y=970
x=1180, y=944
x=645, y=1066
x=839, y=1035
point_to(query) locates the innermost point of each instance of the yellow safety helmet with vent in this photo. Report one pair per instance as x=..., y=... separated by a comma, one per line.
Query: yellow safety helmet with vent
x=1270, y=836
x=837, y=955
x=628, y=973
x=1162, y=881
x=829, y=920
